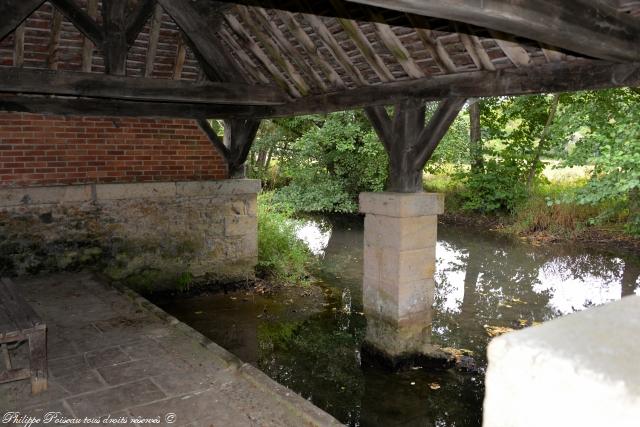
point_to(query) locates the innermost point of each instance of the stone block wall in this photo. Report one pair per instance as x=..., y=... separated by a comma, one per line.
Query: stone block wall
x=148, y=235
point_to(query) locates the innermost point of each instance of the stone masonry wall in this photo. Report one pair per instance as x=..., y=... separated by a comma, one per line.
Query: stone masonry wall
x=148, y=235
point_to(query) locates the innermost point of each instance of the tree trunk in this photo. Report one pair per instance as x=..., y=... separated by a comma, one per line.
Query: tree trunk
x=543, y=140
x=475, y=138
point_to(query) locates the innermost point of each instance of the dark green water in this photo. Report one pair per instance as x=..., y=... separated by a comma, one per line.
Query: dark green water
x=309, y=339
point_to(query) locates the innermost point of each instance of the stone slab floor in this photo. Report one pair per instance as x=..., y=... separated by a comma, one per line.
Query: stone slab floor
x=112, y=354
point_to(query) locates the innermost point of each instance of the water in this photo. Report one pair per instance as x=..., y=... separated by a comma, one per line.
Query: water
x=309, y=339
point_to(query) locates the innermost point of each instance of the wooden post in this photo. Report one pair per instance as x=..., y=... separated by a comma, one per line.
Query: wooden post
x=38, y=361
x=408, y=142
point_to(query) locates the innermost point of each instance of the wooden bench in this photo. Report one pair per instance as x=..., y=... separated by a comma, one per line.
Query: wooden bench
x=19, y=322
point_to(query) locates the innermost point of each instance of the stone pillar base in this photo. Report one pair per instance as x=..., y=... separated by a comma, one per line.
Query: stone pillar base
x=399, y=263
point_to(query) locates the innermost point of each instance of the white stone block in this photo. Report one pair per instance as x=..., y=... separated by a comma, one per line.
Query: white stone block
x=409, y=233
x=402, y=204
x=142, y=190
x=45, y=195
x=222, y=187
x=579, y=370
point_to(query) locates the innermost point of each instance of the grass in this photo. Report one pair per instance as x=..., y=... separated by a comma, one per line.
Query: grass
x=542, y=214
x=282, y=256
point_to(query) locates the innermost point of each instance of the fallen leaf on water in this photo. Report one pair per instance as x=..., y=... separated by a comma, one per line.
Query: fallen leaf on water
x=434, y=386
x=494, y=331
x=199, y=312
x=523, y=322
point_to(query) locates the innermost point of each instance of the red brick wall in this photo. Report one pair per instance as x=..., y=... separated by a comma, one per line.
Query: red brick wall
x=46, y=150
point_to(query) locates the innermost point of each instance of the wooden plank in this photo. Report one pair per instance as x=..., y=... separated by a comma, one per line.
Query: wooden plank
x=516, y=53
x=285, y=46
x=200, y=21
x=396, y=48
x=18, y=46
x=7, y=325
x=14, y=375
x=336, y=50
x=154, y=36
x=19, y=311
x=181, y=54
x=433, y=45
x=548, y=78
x=13, y=12
x=130, y=88
x=87, y=44
x=362, y=43
x=5, y=356
x=310, y=47
x=38, y=362
x=81, y=20
x=123, y=108
x=551, y=54
x=250, y=45
x=589, y=27
x=245, y=62
x=271, y=49
x=54, y=40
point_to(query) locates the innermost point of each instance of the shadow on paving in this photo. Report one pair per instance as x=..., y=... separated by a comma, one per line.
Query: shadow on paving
x=113, y=360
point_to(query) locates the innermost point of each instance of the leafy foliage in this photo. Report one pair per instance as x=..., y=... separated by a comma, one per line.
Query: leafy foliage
x=331, y=163
x=281, y=255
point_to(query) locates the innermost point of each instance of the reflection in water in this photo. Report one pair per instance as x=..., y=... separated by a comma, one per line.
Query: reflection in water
x=311, y=344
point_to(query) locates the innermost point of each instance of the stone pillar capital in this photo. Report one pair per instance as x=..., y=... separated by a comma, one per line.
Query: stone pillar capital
x=401, y=205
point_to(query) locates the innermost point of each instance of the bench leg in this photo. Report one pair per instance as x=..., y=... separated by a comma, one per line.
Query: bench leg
x=38, y=361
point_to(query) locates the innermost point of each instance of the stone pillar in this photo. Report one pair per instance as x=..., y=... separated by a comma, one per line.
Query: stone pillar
x=399, y=264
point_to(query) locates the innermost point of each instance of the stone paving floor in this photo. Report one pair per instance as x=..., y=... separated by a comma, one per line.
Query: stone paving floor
x=113, y=354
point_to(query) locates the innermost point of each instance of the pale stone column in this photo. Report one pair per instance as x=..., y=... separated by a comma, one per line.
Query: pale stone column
x=399, y=264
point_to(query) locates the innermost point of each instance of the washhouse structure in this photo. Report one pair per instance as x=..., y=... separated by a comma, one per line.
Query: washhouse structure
x=105, y=139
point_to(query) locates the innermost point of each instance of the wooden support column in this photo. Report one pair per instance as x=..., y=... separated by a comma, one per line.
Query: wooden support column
x=408, y=141
x=114, y=14
x=239, y=135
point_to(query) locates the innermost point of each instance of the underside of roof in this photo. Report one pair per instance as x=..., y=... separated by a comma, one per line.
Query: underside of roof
x=292, y=57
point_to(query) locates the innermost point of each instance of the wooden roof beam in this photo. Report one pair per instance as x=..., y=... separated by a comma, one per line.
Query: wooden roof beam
x=81, y=20
x=13, y=12
x=33, y=81
x=548, y=78
x=589, y=27
x=124, y=108
x=200, y=20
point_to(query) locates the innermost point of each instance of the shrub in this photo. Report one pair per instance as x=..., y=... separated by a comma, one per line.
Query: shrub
x=281, y=255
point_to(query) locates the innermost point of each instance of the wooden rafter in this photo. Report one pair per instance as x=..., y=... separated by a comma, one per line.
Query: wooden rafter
x=336, y=50
x=271, y=49
x=18, y=46
x=310, y=47
x=87, y=44
x=119, y=87
x=474, y=48
x=81, y=20
x=362, y=43
x=181, y=54
x=54, y=40
x=516, y=53
x=396, y=48
x=154, y=36
x=245, y=62
x=433, y=46
x=250, y=45
x=285, y=46
x=589, y=27
x=200, y=20
x=13, y=12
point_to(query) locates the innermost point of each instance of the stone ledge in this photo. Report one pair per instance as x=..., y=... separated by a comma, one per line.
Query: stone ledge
x=402, y=205
x=580, y=369
x=83, y=193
